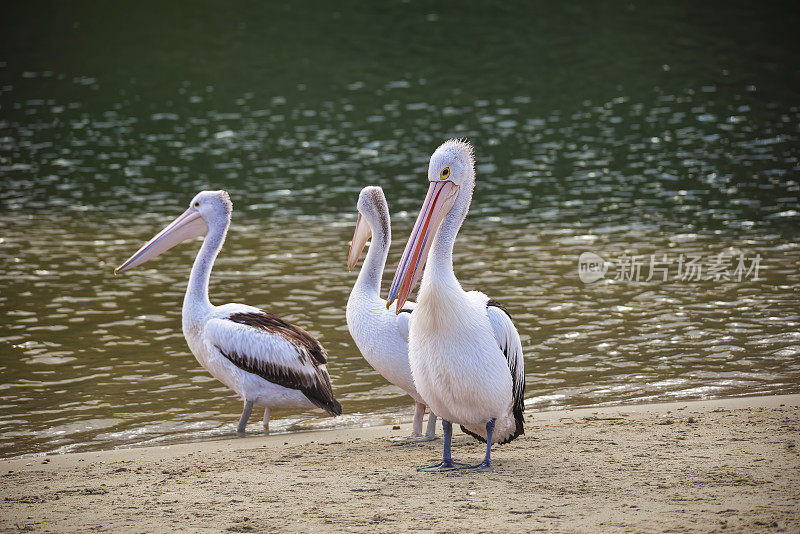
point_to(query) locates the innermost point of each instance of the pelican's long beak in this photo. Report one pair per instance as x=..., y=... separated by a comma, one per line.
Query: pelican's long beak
x=360, y=238
x=440, y=199
x=187, y=226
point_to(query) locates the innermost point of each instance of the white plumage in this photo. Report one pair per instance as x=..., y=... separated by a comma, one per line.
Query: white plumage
x=467, y=375
x=267, y=361
x=464, y=351
x=380, y=333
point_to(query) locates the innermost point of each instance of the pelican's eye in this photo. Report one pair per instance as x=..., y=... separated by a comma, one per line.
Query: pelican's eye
x=445, y=174
x=196, y=203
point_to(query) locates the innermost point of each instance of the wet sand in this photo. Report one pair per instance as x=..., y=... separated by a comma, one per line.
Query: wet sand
x=729, y=465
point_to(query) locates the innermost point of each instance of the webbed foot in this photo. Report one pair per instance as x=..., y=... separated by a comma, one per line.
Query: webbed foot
x=444, y=465
x=483, y=467
x=412, y=438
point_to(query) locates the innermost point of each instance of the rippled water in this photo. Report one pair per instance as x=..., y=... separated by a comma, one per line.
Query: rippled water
x=679, y=150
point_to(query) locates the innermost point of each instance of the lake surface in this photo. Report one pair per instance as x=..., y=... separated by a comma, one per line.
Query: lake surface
x=626, y=130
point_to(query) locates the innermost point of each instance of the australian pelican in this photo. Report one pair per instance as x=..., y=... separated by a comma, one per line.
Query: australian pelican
x=264, y=359
x=464, y=351
x=381, y=334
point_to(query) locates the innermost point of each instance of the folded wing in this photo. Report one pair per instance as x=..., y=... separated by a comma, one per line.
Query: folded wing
x=508, y=339
x=262, y=344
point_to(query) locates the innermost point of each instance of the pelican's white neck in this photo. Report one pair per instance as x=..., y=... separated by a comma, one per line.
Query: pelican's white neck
x=439, y=268
x=371, y=274
x=197, y=290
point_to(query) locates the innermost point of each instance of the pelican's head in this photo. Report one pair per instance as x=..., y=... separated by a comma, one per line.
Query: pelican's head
x=453, y=161
x=213, y=206
x=373, y=213
x=207, y=209
x=451, y=173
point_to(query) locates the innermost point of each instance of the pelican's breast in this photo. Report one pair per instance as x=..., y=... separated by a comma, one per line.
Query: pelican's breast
x=375, y=332
x=457, y=366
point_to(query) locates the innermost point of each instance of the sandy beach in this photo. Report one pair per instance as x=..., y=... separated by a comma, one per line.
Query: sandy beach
x=729, y=465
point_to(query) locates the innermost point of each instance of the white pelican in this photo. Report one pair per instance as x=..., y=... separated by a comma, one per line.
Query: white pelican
x=464, y=351
x=264, y=359
x=380, y=334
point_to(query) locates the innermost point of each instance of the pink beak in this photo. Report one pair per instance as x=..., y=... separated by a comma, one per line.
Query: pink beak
x=440, y=199
x=360, y=238
x=189, y=225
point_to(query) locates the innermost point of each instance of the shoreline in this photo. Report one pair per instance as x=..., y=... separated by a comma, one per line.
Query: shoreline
x=255, y=439
x=402, y=420
x=691, y=465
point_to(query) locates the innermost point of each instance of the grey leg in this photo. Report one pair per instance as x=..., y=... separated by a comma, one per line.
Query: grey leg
x=486, y=464
x=430, y=432
x=416, y=433
x=266, y=420
x=447, y=463
x=419, y=413
x=248, y=407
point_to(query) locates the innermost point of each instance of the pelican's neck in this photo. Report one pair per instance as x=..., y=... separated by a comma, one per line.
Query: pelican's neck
x=371, y=274
x=197, y=291
x=439, y=268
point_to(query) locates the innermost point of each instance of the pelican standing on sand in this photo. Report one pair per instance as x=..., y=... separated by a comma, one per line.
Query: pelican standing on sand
x=381, y=334
x=264, y=359
x=464, y=351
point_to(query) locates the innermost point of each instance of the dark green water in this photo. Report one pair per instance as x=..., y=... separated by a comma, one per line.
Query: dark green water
x=619, y=128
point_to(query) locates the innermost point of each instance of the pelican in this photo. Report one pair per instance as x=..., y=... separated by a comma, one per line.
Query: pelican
x=464, y=351
x=380, y=334
x=267, y=361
